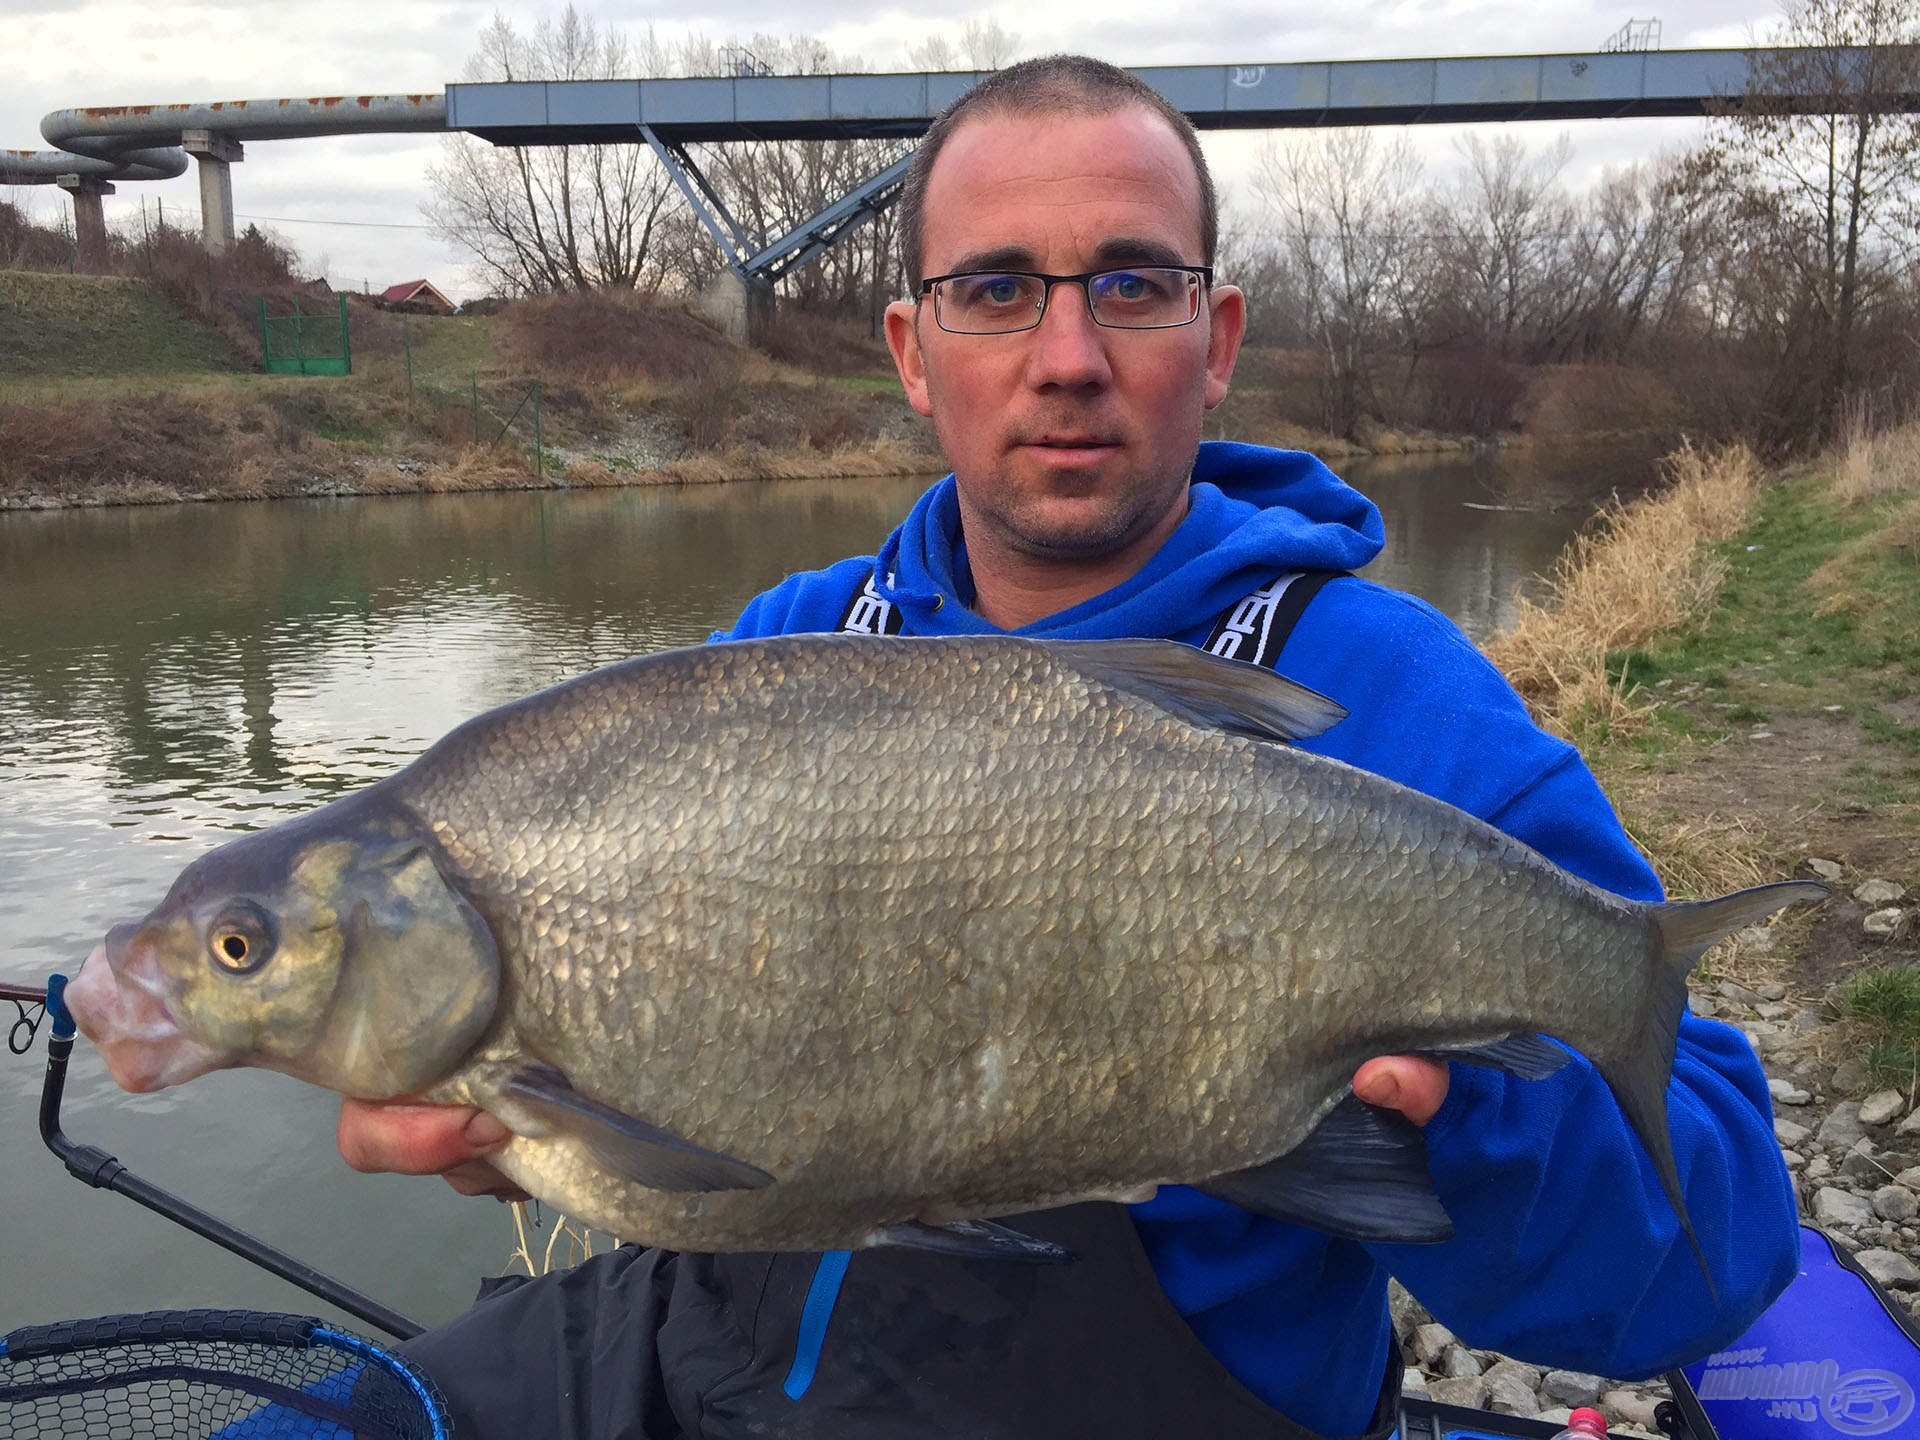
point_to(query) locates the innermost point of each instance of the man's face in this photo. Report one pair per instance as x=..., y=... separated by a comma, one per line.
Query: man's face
x=1070, y=440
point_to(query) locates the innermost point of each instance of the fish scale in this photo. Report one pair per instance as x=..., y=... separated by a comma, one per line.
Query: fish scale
x=922, y=930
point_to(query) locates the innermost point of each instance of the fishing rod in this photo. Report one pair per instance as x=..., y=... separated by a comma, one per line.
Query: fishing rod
x=104, y=1172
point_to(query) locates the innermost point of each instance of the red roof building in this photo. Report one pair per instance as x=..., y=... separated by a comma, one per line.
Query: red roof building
x=417, y=295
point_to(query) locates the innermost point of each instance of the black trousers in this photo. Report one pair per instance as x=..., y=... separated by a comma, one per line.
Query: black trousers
x=650, y=1345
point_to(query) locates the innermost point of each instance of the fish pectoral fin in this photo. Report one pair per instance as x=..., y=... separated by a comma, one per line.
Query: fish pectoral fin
x=974, y=1240
x=643, y=1153
x=1531, y=1057
x=1362, y=1173
x=1203, y=689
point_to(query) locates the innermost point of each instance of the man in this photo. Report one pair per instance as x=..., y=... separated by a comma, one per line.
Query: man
x=1066, y=339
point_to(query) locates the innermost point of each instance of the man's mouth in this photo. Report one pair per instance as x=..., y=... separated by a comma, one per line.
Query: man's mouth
x=1070, y=448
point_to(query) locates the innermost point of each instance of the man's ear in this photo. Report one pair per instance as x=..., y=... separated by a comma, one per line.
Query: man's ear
x=1226, y=326
x=903, y=339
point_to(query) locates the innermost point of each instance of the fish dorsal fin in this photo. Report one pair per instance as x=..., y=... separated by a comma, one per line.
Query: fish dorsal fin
x=1203, y=689
x=644, y=1153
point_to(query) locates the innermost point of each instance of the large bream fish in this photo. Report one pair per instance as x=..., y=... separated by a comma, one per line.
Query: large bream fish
x=825, y=942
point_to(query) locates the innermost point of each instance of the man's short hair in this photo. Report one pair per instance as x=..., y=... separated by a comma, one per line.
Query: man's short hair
x=1049, y=85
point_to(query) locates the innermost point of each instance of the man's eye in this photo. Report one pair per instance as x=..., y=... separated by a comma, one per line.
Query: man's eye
x=1129, y=285
x=993, y=290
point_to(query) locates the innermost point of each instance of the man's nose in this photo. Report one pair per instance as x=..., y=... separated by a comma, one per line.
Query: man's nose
x=1069, y=350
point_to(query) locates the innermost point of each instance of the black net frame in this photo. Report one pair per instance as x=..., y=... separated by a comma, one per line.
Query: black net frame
x=210, y=1375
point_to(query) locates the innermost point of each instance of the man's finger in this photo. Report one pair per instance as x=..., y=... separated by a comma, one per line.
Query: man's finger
x=414, y=1139
x=1407, y=1083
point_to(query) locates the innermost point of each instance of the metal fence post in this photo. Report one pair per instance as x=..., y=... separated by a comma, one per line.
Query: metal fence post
x=266, y=343
x=474, y=380
x=346, y=340
x=299, y=336
x=539, y=456
x=406, y=338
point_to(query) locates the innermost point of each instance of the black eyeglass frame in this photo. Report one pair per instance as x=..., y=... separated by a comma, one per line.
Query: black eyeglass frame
x=1204, y=273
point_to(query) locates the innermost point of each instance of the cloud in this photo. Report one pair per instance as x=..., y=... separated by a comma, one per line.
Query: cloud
x=66, y=53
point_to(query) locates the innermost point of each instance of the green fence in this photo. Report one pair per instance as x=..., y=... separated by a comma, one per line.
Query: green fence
x=304, y=343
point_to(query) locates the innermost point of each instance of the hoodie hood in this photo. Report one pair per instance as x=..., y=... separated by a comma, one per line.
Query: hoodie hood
x=1253, y=513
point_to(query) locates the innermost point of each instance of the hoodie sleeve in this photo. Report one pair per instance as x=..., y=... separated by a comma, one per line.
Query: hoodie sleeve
x=1566, y=1249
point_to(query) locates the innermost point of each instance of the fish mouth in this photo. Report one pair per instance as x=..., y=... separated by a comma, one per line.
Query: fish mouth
x=119, y=1001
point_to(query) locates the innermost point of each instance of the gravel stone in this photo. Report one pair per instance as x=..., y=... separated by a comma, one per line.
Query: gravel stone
x=1507, y=1395
x=1789, y=1134
x=1739, y=994
x=1862, y=1162
x=1773, y=1010
x=1882, y=1106
x=1890, y=1268
x=1882, y=924
x=1785, y=1092
x=1527, y=1375
x=1572, y=1388
x=1760, y=940
x=1842, y=1126
x=1793, y=1159
x=1833, y=1206
x=1628, y=1407
x=1826, y=870
x=1468, y=1390
x=1408, y=1313
x=1877, y=893
x=1458, y=1363
x=1895, y=1202
x=1413, y=1381
x=1430, y=1342
x=1909, y=1125
x=1772, y=990
x=1850, y=1078
x=1819, y=1167
x=1909, y=1177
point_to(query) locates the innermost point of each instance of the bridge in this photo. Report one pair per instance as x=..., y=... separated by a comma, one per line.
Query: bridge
x=95, y=147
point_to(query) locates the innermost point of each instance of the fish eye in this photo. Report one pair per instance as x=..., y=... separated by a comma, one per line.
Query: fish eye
x=241, y=938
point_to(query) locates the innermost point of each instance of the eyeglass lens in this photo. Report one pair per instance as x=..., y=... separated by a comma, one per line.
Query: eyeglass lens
x=1143, y=298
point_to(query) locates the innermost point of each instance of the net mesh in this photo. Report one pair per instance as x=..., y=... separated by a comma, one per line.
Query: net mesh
x=209, y=1375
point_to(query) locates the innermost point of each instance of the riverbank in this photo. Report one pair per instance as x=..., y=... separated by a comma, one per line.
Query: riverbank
x=116, y=395
x=1737, y=659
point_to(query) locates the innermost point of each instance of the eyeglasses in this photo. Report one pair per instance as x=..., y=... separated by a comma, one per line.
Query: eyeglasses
x=999, y=302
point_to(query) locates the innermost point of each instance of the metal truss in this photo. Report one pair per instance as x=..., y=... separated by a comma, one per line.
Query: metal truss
x=756, y=259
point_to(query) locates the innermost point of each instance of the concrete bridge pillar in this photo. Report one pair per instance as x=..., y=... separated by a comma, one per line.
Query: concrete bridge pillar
x=740, y=308
x=89, y=219
x=216, y=156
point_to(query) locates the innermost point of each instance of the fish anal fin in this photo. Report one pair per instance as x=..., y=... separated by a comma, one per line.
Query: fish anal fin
x=1203, y=689
x=624, y=1144
x=1362, y=1173
x=974, y=1240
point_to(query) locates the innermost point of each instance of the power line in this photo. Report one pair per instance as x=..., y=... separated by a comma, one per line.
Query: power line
x=351, y=224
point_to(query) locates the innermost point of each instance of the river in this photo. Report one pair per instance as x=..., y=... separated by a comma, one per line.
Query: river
x=172, y=676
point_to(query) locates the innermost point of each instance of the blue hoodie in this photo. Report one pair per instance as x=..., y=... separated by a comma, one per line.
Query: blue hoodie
x=1566, y=1252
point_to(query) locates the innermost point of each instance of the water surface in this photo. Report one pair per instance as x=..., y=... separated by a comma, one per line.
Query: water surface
x=173, y=676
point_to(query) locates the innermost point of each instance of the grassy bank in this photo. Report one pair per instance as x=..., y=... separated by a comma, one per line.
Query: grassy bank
x=123, y=392
x=1739, y=659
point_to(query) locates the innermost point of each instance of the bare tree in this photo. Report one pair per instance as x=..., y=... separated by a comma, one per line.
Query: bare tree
x=1823, y=168
x=557, y=217
x=1342, y=202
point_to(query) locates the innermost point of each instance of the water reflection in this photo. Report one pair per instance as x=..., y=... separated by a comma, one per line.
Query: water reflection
x=171, y=676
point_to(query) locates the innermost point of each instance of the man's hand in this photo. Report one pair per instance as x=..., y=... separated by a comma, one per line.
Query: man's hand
x=411, y=1138
x=1406, y=1083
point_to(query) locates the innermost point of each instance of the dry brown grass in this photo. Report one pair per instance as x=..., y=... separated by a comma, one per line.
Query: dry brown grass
x=602, y=338
x=1639, y=569
x=876, y=457
x=1870, y=463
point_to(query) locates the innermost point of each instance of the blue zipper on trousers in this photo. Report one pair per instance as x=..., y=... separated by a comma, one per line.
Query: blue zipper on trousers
x=814, y=1318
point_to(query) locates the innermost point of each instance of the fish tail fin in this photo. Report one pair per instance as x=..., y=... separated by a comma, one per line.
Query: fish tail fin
x=1638, y=1078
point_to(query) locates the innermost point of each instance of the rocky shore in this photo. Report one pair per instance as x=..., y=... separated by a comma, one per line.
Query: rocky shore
x=1853, y=1151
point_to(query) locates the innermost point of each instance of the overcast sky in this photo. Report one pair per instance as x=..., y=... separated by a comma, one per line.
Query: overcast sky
x=351, y=205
